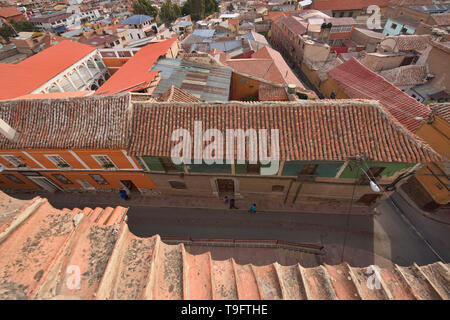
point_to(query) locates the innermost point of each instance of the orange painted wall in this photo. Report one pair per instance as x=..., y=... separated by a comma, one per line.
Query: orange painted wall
x=243, y=87
x=140, y=179
x=6, y=183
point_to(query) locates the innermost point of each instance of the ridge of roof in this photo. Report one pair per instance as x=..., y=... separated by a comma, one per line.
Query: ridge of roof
x=116, y=264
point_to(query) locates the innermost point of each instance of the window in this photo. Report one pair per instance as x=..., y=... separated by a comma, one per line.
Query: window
x=277, y=188
x=62, y=179
x=123, y=38
x=177, y=184
x=104, y=161
x=308, y=169
x=341, y=14
x=16, y=162
x=13, y=178
x=99, y=179
x=58, y=161
x=394, y=26
x=333, y=94
x=253, y=168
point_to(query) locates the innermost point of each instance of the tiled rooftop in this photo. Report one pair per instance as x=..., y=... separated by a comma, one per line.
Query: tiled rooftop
x=359, y=82
x=42, y=248
x=442, y=110
x=410, y=75
x=175, y=94
x=85, y=122
x=309, y=130
x=411, y=42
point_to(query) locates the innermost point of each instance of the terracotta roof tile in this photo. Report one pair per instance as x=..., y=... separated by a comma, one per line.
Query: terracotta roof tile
x=410, y=75
x=87, y=122
x=268, y=93
x=175, y=94
x=115, y=264
x=8, y=12
x=442, y=110
x=359, y=82
x=293, y=24
x=135, y=73
x=411, y=42
x=442, y=19
x=309, y=130
x=36, y=70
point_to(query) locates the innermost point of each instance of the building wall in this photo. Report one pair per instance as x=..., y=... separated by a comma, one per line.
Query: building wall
x=243, y=87
x=82, y=165
x=432, y=176
x=439, y=63
x=390, y=30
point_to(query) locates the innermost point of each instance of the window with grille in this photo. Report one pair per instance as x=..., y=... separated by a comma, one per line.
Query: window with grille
x=13, y=160
x=58, y=161
x=104, y=161
x=13, y=178
x=62, y=179
x=99, y=179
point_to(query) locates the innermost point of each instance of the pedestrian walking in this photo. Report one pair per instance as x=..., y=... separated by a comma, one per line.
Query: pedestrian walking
x=225, y=199
x=232, y=206
x=123, y=194
x=252, y=208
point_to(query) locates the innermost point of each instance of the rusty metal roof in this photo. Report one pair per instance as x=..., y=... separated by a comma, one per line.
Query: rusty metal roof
x=46, y=253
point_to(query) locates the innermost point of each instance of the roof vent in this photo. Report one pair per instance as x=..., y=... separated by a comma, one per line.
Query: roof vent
x=291, y=88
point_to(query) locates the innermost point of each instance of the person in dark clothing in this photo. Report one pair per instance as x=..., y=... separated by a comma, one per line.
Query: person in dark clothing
x=123, y=194
x=232, y=206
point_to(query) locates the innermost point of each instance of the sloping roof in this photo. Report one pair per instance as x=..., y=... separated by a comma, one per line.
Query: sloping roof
x=409, y=2
x=36, y=70
x=326, y=130
x=357, y=81
x=113, y=263
x=294, y=24
x=411, y=42
x=136, y=19
x=441, y=19
x=8, y=12
x=410, y=75
x=252, y=35
x=100, y=39
x=347, y=4
x=136, y=71
x=175, y=94
x=55, y=95
x=86, y=122
x=208, y=82
x=270, y=93
x=442, y=110
x=406, y=21
x=205, y=33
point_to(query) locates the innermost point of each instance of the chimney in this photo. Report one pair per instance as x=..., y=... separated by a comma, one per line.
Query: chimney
x=8, y=131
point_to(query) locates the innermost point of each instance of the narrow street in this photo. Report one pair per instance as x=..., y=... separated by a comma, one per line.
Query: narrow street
x=370, y=239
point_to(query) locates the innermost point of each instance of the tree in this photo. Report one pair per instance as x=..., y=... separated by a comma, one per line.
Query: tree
x=9, y=30
x=230, y=7
x=169, y=12
x=6, y=32
x=145, y=7
x=199, y=9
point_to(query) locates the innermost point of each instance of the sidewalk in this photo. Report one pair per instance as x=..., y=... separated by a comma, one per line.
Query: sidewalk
x=102, y=199
x=442, y=216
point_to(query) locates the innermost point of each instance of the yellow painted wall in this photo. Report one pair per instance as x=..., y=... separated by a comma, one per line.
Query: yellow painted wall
x=6, y=183
x=243, y=87
x=436, y=134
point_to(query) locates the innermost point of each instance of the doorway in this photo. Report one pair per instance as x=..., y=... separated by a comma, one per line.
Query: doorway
x=129, y=186
x=225, y=187
x=45, y=183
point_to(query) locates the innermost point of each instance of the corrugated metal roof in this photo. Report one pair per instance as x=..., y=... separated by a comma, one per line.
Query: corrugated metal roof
x=206, y=82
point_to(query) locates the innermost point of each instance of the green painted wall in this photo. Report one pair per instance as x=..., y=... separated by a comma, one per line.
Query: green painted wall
x=325, y=169
x=391, y=169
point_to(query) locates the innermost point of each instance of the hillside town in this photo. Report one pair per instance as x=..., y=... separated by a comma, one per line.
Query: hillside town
x=237, y=150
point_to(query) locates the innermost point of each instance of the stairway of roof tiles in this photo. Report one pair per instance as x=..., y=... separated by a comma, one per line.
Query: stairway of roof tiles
x=41, y=244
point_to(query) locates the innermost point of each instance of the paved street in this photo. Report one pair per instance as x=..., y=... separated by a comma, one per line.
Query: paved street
x=370, y=239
